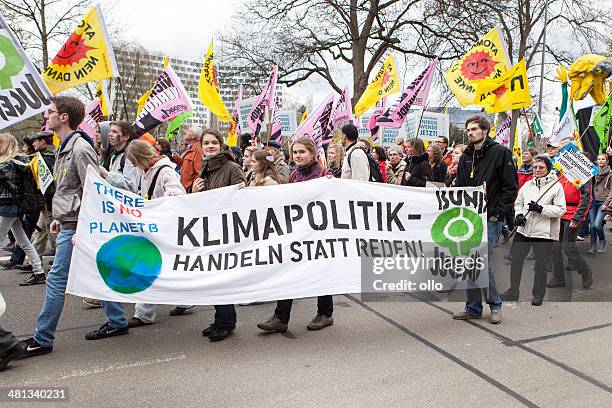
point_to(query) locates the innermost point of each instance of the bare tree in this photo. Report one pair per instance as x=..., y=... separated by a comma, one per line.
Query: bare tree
x=38, y=23
x=522, y=23
x=321, y=38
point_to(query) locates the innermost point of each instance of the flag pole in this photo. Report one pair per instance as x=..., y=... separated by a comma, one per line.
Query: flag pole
x=416, y=135
x=543, y=57
x=528, y=127
x=123, y=98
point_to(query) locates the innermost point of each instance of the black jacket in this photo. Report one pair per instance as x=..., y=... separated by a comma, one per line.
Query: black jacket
x=439, y=172
x=419, y=169
x=493, y=165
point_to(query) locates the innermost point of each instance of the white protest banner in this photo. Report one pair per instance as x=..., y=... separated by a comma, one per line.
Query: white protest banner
x=564, y=128
x=574, y=165
x=433, y=125
x=22, y=90
x=45, y=176
x=233, y=245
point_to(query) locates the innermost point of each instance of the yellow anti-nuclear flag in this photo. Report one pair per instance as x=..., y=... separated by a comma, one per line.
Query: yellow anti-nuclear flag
x=104, y=103
x=208, y=87
x=385, y=82
x=86, y=56
x=487, y=59
x=509, y=91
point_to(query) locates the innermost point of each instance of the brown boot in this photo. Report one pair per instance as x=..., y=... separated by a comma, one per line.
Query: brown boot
x=273, y=324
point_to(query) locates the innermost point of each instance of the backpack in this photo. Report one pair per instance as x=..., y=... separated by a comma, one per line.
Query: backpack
x=29, y=199
x=375, y=173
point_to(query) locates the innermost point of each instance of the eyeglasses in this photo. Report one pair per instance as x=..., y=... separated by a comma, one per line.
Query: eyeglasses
x=50, y=111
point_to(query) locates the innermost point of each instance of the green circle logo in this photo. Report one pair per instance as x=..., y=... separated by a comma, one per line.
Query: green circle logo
x=129, y=263
x=13, y=63
x=459, y=230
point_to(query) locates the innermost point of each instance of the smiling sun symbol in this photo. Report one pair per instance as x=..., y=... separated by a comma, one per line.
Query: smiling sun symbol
x=478, y=65
x=74, y=50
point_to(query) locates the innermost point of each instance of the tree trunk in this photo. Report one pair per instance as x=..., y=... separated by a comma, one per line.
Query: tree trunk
x=43, y=35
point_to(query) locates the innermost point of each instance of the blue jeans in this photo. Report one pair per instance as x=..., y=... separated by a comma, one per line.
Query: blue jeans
x=57, y=279
x=596, y=217
x=474, y=296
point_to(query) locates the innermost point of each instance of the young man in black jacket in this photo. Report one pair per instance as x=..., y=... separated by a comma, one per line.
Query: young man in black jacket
x=487, y=162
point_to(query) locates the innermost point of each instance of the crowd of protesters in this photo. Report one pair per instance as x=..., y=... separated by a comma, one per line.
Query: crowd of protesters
x=542, y=207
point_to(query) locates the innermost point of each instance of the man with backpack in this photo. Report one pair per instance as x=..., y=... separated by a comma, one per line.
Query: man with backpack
x=75, y=154
x=121, y=173
x=358, y=164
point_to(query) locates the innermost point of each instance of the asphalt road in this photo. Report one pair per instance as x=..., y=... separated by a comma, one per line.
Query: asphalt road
x=398, y=353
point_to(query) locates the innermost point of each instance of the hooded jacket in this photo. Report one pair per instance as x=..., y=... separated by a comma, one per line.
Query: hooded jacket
x=419, y=169
x=221, y=171
x=547, y=224
x=493, y=165
x=122, y=173
x=168, y=181
x=75, y=154
x=602, y=184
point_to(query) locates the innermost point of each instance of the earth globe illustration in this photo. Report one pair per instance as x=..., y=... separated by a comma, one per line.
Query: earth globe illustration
x=129, y=263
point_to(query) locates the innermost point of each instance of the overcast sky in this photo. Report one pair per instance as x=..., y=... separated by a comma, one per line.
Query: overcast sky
x=185, y=27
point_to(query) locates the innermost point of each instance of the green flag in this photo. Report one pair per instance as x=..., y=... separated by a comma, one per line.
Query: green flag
x=564, y=99
x=175, y=124
x=601, y=123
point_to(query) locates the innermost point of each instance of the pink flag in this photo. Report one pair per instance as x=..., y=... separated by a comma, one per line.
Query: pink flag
x=264, y=100
x=93, y=115
x=418, y=90
x=343, y=112
x=276, y=124
x=502, y=135
x=316, y=125
x=379, y=109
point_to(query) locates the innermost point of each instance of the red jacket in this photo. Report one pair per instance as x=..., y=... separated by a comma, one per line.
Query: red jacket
x=577, y=201
x=383, y=169
x=523, y=178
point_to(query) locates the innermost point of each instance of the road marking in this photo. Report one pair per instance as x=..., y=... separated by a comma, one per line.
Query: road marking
x=107, y=368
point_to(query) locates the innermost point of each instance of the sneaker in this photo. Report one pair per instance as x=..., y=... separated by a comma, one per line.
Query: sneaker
x=509, y=296
x=34, y=279
x=587, y=279
x=179, y=310
x=580, y=238
x=13, y=352
x=92, y=303
x=209, y=330
x=537, y=302
x=7, y=265
x=31, y=348
x=106, y=331
x=220, y=333
x=496, y=316
x=136, y=322
x=592, y=250
x=273, y=324
x=601, y=246
x=555, y=283
x=464, y=315
x=320, y=322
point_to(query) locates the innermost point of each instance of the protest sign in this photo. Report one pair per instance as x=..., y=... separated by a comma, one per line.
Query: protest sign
x=576, y=167
x=433, y=125
x=22, y=90
x=93, y=114
x=233, y=245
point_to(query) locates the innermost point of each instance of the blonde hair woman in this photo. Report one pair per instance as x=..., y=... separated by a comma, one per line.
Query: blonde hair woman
x=335, y=158
x=264, y=170
x=12, y=175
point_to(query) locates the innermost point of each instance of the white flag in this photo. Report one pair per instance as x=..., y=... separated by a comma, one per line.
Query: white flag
x=45, y=177
x=564, y=128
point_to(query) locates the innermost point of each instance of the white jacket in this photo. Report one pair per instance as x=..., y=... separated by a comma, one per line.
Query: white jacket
x=547, y=224
x=359, y=167
x=167, y=182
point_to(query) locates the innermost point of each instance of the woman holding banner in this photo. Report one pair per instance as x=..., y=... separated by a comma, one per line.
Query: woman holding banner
x=451, y=173
x=418, y=170
x=218, y=170
x=305, y=157
x=335, y=157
